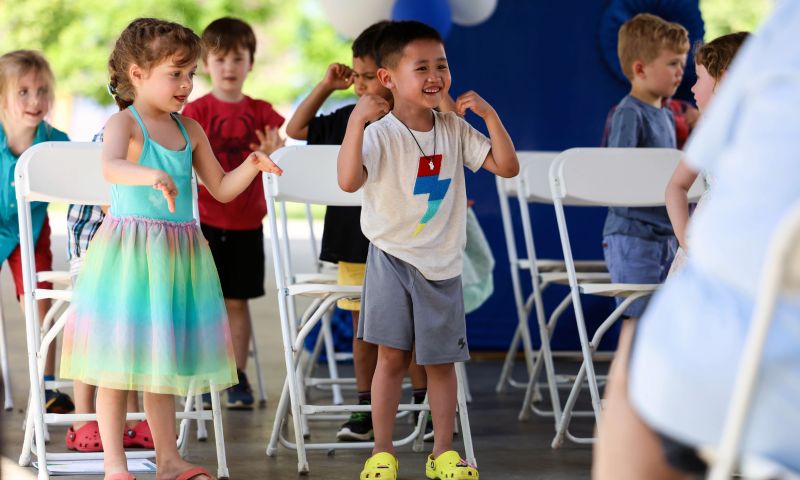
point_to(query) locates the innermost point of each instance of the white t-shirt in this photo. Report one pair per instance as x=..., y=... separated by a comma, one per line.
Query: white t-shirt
x=414, y=204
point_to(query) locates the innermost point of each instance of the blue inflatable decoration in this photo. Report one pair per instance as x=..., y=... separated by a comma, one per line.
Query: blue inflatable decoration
x=435, y=13
x=684, y=12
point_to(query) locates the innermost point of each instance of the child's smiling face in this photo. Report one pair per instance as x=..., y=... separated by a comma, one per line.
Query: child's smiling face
x=29, y=102
x=422, y=75
x=167, y=85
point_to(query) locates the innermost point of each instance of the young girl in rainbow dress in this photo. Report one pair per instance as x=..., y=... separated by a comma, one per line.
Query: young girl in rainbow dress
x=148, y=312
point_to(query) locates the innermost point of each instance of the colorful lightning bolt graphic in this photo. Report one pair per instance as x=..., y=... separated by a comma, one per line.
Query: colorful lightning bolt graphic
x=428, y=182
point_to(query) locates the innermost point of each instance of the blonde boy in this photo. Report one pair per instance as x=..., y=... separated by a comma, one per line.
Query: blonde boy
x=638, y=243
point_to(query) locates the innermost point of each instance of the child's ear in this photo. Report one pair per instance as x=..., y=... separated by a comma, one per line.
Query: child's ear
x=385, y=77
x=135, y=73
x=638, y=68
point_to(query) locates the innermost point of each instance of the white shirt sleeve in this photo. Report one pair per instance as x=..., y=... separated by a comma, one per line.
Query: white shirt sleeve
x=475, y=147
x=371, y=151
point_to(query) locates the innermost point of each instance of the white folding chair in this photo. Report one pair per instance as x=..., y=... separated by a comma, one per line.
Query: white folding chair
x=39, y=176
x=623, y=177
x=533, y=186
x=309, y=176
x=537, y=164
x=780, y=274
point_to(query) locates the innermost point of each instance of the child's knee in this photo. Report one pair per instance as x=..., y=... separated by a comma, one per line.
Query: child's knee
x=393, y=360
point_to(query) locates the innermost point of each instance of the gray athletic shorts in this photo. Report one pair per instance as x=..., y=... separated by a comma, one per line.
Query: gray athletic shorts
x=402, y=309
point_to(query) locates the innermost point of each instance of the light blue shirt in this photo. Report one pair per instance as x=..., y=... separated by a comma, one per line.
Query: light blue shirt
x=689, y=343
x=9, y=221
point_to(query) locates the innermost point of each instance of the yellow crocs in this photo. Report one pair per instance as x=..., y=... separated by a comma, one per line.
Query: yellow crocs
x=381, y=466
x=450, y=466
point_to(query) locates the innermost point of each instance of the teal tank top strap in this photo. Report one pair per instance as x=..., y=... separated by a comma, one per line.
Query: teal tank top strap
x=180, y=125
x=139, y=121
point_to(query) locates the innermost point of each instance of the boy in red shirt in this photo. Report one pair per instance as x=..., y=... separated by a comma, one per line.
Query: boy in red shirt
x=235, y=125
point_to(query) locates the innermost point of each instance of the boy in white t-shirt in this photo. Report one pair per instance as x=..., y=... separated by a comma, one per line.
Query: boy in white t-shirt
x=410, y=164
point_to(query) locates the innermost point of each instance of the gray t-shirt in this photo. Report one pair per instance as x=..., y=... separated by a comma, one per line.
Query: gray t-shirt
x=636, y=124
x=414, y=205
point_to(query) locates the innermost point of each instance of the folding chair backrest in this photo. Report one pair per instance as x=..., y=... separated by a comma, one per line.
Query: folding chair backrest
x=68, y=172
x=534, y=168
x=309, y=176
x=527, y=159
x=629, y=177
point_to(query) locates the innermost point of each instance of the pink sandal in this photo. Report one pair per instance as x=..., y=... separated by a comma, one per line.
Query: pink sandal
x=193, y=472
x=85, y=439
x=138, y=437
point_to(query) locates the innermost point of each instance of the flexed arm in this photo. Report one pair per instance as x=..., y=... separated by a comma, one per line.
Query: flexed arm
x=350, y=164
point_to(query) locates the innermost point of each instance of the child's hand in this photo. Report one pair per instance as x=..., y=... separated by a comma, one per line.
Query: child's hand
x=473, y=101
x=261, y=161
x=369, y=108
x=338, y=76
x=269, y=140
x=164, y=182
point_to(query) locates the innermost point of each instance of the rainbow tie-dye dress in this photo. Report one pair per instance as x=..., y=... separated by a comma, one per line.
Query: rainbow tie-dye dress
x=147, y=310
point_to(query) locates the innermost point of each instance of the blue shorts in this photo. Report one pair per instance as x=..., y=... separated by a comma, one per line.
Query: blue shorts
x=638, y=260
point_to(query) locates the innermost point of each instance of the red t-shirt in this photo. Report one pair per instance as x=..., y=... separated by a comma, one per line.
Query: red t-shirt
x=231, y=128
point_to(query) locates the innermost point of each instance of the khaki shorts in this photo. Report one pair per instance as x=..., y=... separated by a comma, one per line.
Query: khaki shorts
x=350, y=274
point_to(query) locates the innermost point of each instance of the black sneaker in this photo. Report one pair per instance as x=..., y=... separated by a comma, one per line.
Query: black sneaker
x=358, y=428
x=240, y=396
x=57, y=402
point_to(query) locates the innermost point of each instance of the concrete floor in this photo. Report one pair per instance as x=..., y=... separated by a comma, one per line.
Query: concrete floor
x=505, y=448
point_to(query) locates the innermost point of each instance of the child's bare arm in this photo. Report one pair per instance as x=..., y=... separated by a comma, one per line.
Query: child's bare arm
x=114, y=154
x=224, y=186
x=349, y=166
x=502, y=158
x=337, y=77
x=118, y=169
x=677, y=199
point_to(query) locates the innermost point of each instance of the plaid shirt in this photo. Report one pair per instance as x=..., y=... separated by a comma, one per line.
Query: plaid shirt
x=82, y=223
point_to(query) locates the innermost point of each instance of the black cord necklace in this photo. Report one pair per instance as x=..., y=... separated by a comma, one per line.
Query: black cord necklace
x=429, y=158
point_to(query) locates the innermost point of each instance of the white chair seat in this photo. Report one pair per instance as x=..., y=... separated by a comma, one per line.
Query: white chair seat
x=616, y=289
x=325, y=278
x=59, y=277
x=562, y=278
x=323, y=289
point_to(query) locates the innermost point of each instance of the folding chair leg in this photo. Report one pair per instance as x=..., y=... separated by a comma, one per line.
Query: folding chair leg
x=545, y=355
x=280, y=418
x=25, y=455
x=202, y=432
x=465, y=380
x=7, y=387
x=566, y=416
x=314, y=357
x=508, y=363
x=330, y=354
x=463, y=415
x=219, y=436
x=262, y=391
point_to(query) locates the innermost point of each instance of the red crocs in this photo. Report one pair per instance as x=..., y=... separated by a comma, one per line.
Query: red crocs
x=138, y=437
x=85, y=439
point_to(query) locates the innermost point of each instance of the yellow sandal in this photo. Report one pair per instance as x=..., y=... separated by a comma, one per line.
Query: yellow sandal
x=381, y=466
x=450, y=466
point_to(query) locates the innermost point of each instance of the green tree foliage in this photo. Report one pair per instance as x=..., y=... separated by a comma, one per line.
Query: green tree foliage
x=76, y=36
x=727, y=16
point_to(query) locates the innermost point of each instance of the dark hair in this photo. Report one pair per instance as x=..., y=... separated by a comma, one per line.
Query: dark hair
x=147, y=42
x=716, y=56
x=226, y=34
x=396, y=35
x=365, y=43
